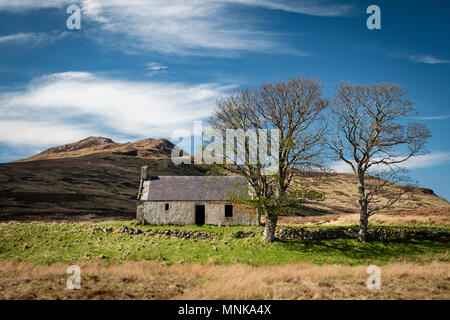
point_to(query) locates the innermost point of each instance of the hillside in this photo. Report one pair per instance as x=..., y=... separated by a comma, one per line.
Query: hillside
x=97, y=178
x=341, y=193
x=93, y=179
x=148, y=148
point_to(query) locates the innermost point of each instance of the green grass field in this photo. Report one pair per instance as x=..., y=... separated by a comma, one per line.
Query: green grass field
x=48, y=243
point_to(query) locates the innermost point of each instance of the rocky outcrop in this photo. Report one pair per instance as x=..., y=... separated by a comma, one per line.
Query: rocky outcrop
x=83, y=144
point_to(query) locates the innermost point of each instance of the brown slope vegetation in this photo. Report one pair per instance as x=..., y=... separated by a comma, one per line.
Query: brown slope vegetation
x=148, y=148
x=341, y=194
x=97, y=178
x=96, y=186
x=434, y=216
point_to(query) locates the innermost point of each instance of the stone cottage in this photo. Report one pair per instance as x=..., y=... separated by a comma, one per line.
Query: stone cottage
x=200, y=200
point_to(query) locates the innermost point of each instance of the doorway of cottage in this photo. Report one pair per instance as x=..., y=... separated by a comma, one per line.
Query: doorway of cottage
x=200, y=214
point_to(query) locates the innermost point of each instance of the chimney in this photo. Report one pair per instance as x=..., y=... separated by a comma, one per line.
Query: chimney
x=145, y=175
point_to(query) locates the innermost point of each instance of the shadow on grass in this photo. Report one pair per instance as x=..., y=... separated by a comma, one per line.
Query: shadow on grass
x=376, y=250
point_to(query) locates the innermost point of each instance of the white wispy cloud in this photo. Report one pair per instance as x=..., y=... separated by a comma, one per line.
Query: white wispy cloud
x=428, y=59
x=195, y=27
x=311, y=7
x=32, y=4
x=41, y=132
x=156, y=67
x=65, y=107
x=420, y=58
x=17, y=37
x=177, y=27
x=443, y=117
x=421, y=161
x=325, y=8
x=32, y=38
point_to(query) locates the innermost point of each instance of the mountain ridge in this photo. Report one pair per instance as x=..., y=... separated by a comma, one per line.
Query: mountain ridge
x=146, y=148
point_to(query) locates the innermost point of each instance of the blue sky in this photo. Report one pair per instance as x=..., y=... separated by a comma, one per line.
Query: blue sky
x=140, y=69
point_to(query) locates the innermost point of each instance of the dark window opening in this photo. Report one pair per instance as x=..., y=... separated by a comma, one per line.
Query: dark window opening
x=167, y=206
x=228, y=210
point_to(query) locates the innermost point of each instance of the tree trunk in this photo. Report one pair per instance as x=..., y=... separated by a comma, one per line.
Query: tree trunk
x=269, y=229
x=363, y=215
x=363, y=221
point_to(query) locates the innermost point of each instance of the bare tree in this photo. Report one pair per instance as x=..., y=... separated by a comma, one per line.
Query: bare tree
x=372, y=135
x=292, y=108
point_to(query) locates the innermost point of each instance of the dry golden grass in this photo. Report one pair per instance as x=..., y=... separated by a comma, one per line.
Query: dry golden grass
x=341, y=193
x=147, y=280
x=131, y=280
x=405, y=217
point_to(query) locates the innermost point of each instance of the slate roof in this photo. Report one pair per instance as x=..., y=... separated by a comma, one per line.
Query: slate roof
x=200, y=188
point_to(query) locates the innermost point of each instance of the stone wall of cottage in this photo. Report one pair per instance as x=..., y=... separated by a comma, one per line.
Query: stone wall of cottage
x=183, y=213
